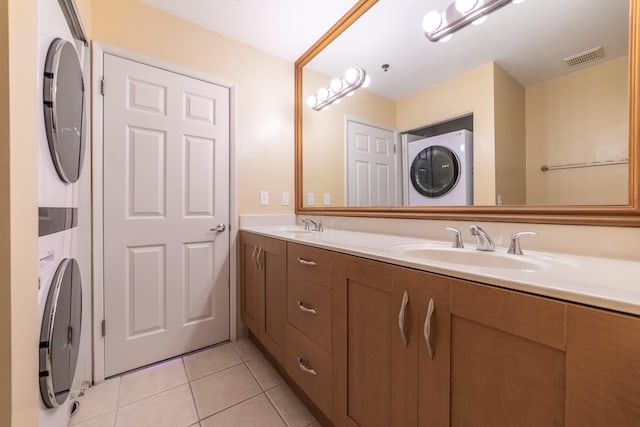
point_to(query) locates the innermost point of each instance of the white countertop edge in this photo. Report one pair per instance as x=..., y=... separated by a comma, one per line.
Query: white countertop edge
x=542, y=284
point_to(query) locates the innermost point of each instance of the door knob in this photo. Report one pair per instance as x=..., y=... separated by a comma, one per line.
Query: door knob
x=219, y=228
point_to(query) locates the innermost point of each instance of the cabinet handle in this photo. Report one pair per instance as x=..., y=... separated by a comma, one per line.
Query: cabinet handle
x=304, y=368
x=260, y=251
x=305, y=262
x=253, y=255
x=306, y=309
x=427, y=327
x=401, y=321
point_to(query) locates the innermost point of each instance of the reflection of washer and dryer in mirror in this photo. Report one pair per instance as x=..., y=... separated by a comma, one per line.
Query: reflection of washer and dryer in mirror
x=64, y=353
x=438, y=169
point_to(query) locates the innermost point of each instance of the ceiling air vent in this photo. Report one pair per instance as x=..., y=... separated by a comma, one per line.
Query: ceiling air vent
x=585, y=57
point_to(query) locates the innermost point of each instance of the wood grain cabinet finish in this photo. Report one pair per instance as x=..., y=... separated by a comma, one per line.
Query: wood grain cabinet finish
x=309, y=294
x=395, y=347
x=603, y=368
x=309, y=322
x=385, y=373
x=507, y=358
x=263, y=283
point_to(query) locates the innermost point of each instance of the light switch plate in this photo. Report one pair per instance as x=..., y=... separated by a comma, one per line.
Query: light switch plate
x=285, y=198
x=264, y=198
x=310, y=199
x=327, y=199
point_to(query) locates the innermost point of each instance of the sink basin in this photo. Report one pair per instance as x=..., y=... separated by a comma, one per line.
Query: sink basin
x=472, y=257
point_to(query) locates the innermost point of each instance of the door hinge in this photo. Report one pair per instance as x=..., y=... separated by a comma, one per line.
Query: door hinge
x=102, y=86
x=394, y=148
x=103, y=327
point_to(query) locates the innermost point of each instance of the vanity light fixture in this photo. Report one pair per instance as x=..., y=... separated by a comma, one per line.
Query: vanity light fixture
x=353, y=79
x=439, y=26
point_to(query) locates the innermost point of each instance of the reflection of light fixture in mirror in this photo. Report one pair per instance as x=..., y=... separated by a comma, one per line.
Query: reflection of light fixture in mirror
x=439, y=25
x=353, y=79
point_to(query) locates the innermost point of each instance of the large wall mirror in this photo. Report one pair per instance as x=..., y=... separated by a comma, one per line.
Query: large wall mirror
x=529, y=116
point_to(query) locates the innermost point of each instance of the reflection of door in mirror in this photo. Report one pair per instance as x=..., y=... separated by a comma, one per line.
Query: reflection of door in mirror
x=532, y=107
x=373, y=169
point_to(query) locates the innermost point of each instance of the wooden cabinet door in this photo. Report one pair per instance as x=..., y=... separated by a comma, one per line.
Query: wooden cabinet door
x=507, y=358
x=263, y=264
x=250, y=281
x=420, y=363
x=603, y=368
x=272, y=263
x=365, y=323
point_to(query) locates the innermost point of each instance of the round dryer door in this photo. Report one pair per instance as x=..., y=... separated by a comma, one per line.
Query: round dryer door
x=435, y=171
x=64, y=109
x=60, y=334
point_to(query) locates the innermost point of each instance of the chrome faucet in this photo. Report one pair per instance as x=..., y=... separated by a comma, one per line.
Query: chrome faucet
x=514, y=247
x=308, y=223
x=457, y=238
x=483, y=240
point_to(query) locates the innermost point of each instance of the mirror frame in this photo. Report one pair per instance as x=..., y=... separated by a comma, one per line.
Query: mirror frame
x=603, y=215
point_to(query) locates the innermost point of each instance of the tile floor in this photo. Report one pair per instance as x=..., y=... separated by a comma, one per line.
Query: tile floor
x=228, y=385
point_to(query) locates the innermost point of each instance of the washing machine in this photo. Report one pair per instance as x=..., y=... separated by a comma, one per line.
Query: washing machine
x=64, y=349
x=439, y=170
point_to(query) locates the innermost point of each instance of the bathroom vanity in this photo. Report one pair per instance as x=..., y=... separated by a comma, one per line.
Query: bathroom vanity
x=377, y=336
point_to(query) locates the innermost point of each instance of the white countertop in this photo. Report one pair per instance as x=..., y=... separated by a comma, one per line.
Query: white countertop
x=601, y=282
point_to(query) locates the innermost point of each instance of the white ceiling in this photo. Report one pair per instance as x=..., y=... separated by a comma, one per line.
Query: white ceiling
x=284, y=28
x=528, y=40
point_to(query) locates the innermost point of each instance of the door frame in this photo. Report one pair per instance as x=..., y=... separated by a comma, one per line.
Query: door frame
x=398, y=155
x=99, y=49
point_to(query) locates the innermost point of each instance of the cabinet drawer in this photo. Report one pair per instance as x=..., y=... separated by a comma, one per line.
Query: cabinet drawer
x=307, y=261
x=310, y=368
x=309, y=309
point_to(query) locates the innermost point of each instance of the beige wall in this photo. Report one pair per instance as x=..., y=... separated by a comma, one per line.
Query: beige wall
x=580, y=117
x=264, y=89
x=509, y=104
x=324, y=136
x=469, y=92
x=18, y=214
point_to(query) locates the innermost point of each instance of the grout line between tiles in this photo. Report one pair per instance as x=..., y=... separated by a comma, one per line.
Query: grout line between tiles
x=193, y=398
x=280, y=414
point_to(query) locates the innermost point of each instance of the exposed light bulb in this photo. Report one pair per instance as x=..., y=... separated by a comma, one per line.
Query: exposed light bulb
x=323, y=94
x=480, y=20
x=351, y=75
x=350, y=93
x=432, y=21
x=312, y=101
x=367, y=81
x=465, y=6
x=336, y=85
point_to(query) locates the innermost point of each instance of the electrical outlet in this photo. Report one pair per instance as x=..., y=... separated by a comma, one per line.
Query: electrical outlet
x=327, y=199
x=285, y=198
x=264, y=198
x=310, y=199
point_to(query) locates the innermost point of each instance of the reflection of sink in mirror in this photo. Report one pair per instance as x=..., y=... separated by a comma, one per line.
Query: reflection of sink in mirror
x=474, y=258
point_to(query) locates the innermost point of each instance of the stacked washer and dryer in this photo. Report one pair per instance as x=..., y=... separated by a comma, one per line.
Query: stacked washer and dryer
x=64, y=347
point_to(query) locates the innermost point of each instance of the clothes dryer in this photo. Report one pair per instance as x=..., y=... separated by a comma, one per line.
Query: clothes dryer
x=439, y=170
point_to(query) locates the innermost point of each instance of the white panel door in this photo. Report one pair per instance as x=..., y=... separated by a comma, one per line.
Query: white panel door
x=372, y=171
x=166, y=188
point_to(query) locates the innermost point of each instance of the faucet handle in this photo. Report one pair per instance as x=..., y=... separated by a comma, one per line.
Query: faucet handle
x=514, y=247
x=457, y=239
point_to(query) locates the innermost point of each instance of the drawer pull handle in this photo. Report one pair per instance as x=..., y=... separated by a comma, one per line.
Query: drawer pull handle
x=303, y=308
x=306, y=262
x=401, y=320
x=304, y=368
x=427, y=327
